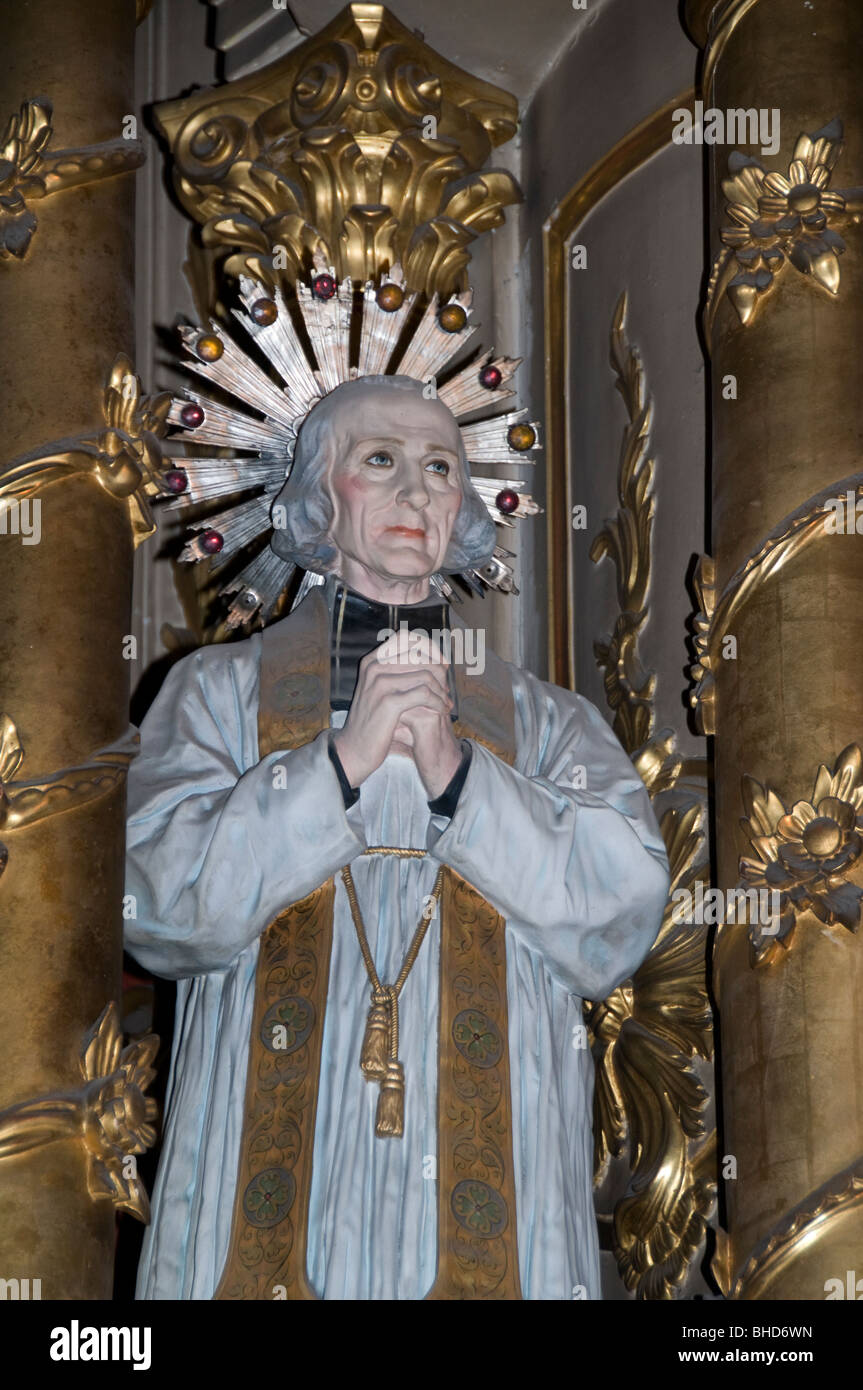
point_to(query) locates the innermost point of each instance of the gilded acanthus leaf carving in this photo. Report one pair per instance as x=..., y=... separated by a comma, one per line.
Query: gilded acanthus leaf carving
x=776, y=220
x=649, y=1031
x=804, y=853
x=30, y=171
x=109, y=1113
x=362, y=146
x=124, y=457
x=626, y=540
x=647, y=1034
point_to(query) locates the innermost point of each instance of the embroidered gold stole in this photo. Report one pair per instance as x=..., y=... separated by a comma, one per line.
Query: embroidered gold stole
x=477, y=1245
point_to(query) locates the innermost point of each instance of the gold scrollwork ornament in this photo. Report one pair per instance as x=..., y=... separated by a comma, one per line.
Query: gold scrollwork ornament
x=362, y=146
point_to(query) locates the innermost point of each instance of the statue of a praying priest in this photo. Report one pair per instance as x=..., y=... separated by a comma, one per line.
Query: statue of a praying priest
x=360, y=844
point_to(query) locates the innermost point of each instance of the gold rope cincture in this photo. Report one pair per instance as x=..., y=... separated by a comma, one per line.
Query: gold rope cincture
x=379, y=1058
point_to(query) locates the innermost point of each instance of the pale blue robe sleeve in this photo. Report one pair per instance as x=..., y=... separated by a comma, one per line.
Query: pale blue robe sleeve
x=579, y=872
x=218, y=842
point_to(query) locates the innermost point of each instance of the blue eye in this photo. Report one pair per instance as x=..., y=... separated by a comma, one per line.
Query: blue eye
x=439, y=466
x=379, y=459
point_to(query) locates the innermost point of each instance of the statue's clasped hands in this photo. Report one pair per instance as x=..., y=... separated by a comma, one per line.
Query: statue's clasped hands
x=402, y=704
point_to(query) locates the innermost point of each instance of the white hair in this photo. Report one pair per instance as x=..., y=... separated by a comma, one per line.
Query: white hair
x=304, y=537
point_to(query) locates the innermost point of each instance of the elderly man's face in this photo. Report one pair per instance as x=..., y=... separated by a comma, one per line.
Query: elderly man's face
x=396, y=485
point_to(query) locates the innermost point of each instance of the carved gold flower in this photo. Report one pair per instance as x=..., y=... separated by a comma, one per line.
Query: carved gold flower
x=117, y=1114
x=777, y=217
x=805, y=854
x=802, y=205
x=825, y=837
x=109, y=1112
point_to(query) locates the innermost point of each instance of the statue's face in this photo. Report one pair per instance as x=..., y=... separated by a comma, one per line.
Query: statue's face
x=396, y=484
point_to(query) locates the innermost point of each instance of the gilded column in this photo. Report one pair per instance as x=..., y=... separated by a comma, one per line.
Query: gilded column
x=780, y=660
x=72, y=1111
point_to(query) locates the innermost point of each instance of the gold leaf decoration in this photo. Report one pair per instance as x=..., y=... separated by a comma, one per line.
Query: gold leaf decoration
x=646, y=1035
x=819, y=515
x=23, y=801
x=809, y=1221
x=29, y=171
x=803, y=854
x=776, y=220
x=109, y=1113
x=626, y=540
x=124, y=457
x=362, y=146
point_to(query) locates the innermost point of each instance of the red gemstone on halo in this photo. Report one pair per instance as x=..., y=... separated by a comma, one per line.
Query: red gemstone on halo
x=176, y=480
x=212, y=542
x=506, y=501
x=191, y=416
x=490, y=377
x=323, y=287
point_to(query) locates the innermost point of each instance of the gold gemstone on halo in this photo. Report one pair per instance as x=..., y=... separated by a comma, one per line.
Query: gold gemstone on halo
x=209, y=347
x=521, y=437
x=452, y=318
x=390, y=297
x=264, y=312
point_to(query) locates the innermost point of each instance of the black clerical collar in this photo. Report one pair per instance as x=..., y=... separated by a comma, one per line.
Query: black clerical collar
x=360, y=624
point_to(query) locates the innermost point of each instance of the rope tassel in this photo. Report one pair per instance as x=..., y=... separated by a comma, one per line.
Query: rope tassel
x=390, y=1118
x=376, y=1042
x=379, y=1058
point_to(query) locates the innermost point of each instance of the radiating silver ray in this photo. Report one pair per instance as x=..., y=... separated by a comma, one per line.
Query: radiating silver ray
x=498, y=575
x=485, y=441
x=227, y=428
x=465, y=392
x=237, y=526
x=380, y=331
x=281, y=346
x=431, y=348
x=213, y=478
x=488, y=489
x=328, y=322
x=442, y=587
x=257, y=587
x=240, y=377
x=472, y=579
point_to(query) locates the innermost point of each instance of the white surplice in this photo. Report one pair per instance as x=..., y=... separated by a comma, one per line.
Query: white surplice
x=216, y=850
